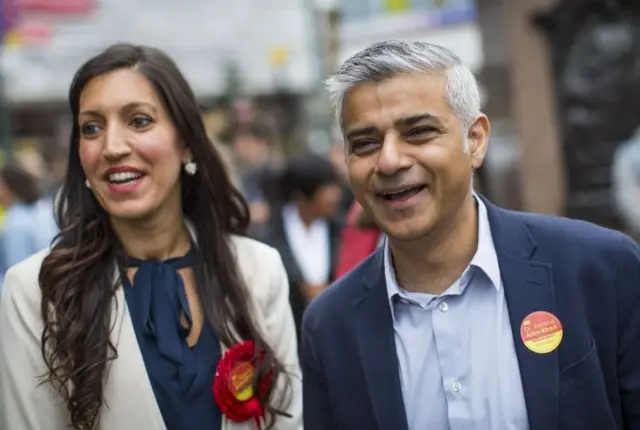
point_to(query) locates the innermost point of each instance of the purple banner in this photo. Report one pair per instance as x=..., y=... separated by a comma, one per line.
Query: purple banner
x=8, y=15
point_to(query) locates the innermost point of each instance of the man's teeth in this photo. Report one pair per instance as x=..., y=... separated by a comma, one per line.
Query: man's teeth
x=124, y=176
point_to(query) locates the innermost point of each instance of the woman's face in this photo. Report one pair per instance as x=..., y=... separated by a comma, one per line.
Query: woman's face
x=130, y=151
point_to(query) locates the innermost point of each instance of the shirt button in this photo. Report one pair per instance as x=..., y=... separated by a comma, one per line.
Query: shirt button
x=444, y=306
x=455, y=387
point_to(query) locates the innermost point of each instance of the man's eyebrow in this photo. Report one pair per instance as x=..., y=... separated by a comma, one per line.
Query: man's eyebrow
x=414, y=119
x=361, y=131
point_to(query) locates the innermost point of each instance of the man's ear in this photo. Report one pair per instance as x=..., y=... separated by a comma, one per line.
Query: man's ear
x=478, y=140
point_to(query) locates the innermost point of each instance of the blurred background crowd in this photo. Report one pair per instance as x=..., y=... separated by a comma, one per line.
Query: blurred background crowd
x=560, y=80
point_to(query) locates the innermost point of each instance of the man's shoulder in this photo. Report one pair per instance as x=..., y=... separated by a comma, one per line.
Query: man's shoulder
x=568, y=231
x=564, y=238
x=338, y=300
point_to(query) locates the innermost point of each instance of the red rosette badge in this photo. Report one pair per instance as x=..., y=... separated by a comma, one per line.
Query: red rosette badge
x=232, y=386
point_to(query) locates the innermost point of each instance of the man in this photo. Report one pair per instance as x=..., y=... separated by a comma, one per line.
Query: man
x=304, y=229
x=256, y=170
x=469, y=316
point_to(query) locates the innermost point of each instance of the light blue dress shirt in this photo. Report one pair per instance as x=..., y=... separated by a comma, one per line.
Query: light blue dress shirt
x=458, y=365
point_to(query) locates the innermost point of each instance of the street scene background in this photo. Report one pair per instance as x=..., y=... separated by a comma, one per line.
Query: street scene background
x=559, y=83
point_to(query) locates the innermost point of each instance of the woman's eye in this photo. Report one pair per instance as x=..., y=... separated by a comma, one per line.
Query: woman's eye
x=141, y=121
x=89, y=129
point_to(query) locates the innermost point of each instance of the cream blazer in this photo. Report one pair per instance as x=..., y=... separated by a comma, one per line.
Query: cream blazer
x=131, y=404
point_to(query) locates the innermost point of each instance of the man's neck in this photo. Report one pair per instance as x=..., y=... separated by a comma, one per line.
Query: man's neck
x=432, y=263
x=307, y=215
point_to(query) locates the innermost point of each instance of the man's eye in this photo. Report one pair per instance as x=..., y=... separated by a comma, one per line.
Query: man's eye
x=363, y=145
x=141, y=121
x=420, y=131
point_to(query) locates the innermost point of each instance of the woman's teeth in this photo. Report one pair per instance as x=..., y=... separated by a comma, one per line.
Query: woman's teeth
x=122, y=177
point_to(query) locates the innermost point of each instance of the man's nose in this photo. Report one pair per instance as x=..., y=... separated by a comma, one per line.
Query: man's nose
x=391, y=158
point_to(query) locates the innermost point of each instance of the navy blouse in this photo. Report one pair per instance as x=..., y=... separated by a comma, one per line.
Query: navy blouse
x=181, y=376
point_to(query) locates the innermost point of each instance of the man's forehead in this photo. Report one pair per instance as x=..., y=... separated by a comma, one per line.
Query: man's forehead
x=401, y=112
x=402, y=90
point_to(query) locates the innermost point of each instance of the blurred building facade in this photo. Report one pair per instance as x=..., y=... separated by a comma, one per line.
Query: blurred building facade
x=557, y=75
x=267, y=44
x=202, y=36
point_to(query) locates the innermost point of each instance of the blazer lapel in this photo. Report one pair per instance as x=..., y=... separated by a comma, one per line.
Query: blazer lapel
x=378, y=351
x=129, y=398
x=528, y=288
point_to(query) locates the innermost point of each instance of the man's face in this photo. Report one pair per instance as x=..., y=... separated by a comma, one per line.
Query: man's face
x=406, y=153
x=250, y=149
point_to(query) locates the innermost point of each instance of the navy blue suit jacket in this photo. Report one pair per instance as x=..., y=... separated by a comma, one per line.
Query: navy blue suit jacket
x=586, y=275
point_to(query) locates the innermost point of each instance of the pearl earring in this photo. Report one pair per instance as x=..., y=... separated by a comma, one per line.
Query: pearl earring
x=87, y=184
x=190, y=168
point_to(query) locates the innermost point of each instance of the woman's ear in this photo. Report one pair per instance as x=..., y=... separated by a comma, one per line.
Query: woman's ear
x=187, y=154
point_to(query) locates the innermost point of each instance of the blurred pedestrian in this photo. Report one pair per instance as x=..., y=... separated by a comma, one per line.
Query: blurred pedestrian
x=151, y=295
x=625, y=182
x=29, y=224
x=253, y=158
x=360, y=237
x=336, y=156
x=304, y=229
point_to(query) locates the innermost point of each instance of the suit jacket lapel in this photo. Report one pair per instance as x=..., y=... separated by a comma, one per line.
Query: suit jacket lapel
x=528, y=288
x=378, y=351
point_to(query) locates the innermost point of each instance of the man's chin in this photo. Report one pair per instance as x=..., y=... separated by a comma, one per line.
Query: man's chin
x=405, y=231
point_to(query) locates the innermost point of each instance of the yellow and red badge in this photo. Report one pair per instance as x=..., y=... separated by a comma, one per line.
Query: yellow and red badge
x=240, y=379
x=541, y=332
x=233, y=384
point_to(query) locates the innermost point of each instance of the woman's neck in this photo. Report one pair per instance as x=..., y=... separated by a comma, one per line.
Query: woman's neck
x=160, y=238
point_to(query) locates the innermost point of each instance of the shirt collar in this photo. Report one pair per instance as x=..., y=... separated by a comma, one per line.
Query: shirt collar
x=485, y=258
x=291, y=216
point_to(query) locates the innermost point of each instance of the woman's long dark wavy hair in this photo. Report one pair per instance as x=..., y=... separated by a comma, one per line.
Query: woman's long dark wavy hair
x=77, y=287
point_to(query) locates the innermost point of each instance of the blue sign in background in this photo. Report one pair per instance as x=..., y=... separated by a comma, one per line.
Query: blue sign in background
x=439, y=12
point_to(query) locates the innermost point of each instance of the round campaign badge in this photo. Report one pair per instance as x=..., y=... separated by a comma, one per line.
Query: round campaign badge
x=541, y=332
x=240, y=379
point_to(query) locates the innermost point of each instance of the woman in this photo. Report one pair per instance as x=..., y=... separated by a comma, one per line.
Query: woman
x=29, y=223
x=304, y=230
x=122, y=324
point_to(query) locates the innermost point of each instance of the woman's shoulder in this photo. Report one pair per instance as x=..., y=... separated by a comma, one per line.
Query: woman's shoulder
x=259, y=264
x=21, y=280
x=21, y=299
x=252, y=252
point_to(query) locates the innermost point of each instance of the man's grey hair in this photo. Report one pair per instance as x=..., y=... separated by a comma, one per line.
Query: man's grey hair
x=385, y=60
